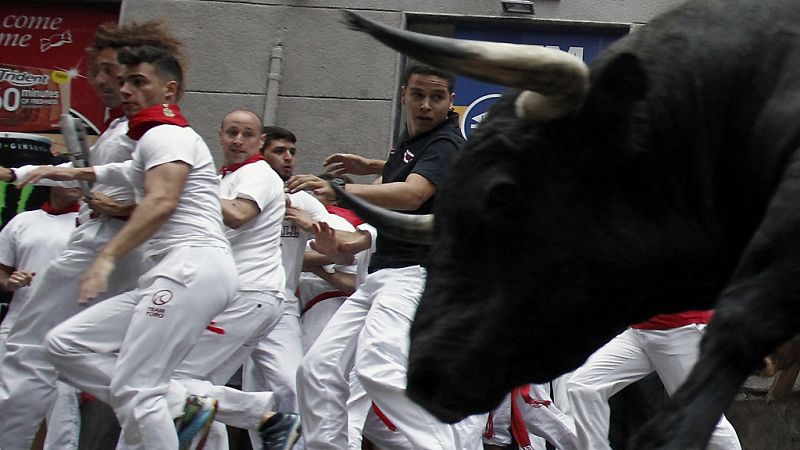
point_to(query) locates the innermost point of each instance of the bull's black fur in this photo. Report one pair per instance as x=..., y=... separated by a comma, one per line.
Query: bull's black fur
x=675, y=186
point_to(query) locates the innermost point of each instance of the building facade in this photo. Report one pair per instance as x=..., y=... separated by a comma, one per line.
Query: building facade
x=334, y=87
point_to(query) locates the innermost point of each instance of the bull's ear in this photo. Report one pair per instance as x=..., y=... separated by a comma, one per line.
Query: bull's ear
x=615, y=89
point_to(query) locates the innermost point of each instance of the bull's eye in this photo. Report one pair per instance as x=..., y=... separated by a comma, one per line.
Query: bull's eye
x=501, y=193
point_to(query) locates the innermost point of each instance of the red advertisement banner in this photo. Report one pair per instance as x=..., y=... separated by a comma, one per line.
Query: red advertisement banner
x=43, y=65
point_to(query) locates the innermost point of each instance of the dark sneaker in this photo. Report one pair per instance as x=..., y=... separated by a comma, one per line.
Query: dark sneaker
x=193, y=425
x=280, y=431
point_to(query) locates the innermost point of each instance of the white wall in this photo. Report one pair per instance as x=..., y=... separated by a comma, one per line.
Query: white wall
x=337, y=85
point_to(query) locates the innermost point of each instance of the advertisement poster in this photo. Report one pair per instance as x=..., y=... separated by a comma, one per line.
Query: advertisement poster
x=43, y=68
x=474, y=98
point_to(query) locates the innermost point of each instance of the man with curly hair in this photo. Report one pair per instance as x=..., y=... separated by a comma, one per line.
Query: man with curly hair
x=27, y=378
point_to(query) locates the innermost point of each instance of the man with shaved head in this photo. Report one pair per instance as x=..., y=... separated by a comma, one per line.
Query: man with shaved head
x=253, y=207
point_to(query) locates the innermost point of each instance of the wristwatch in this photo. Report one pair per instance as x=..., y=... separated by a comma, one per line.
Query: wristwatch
x=339, y=183
x=13, y=176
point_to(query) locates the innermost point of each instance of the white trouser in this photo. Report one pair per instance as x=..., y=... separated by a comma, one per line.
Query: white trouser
x=64, y=420
x=27, y=378
x=323, y=379
x=314, y=319
x=498, y=428
x=63, y=415
x=363, y=422
x=358, y=407
x=542, y=418
x=153, y=328
x=381, y=367
x=255, y=311
x=627, y=358
x=217, y=355
x=272, y=365
x=246, y=322
x=559, y=394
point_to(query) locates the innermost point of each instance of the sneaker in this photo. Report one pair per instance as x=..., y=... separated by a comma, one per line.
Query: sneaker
x=280, y=431
x=193, y=425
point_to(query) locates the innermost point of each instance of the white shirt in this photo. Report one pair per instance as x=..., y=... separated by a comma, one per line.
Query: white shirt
x=197, y=220
x=293, y=240
x=363, y=257
x=113, y=146
x=29, y=242
x=256, y=244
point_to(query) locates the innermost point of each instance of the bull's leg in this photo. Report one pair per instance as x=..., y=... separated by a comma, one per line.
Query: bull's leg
x=755, y=314
x=690, y=417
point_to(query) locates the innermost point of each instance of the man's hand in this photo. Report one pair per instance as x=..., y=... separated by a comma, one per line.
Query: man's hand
x=341, y=163
x=324, y=239
x=18, y=279
x=300, y=217
x=320, y=187
x=105, y=205
x=7, y=174
x=95, y=281
x=327, y=241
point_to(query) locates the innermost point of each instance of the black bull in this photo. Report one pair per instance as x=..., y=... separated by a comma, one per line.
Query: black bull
x=667, y=180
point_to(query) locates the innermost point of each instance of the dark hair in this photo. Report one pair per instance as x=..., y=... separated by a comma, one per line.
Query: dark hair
x=162, y=61
x=152, y=33
x=421, y=69
x=274, y=133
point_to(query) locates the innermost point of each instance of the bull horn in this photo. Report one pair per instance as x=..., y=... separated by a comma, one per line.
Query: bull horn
x=557, y=80
x=417, y=229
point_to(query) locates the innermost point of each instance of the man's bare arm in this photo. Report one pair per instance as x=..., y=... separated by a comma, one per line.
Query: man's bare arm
x=238, y=211
x=345, y=282
x=163, y=185
x=405, y=195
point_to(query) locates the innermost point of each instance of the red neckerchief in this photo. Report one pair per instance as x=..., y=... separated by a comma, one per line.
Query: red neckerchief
x=49, y=209
x=154, y=116
x=224, y=170
x=346, y=214
x=113, y=114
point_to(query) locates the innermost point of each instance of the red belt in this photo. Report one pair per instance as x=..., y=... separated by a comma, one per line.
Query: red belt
x=321, y=297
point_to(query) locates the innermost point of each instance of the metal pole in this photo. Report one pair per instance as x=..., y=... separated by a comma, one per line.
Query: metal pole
x=273, y=85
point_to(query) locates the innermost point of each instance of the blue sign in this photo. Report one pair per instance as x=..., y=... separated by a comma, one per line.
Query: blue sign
x=474, y=98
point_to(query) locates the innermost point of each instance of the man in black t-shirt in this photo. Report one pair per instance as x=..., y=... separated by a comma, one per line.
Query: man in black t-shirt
x=382, y=309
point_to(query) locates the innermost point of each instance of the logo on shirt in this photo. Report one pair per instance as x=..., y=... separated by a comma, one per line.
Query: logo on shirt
x=162, y=297
x=408, y=156
x=290, y=231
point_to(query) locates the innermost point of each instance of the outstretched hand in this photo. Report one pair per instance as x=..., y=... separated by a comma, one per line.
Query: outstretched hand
x=348, y=163
x=324, y=239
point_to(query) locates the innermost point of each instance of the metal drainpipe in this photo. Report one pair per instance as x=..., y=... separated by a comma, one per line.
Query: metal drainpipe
x=273, y=85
